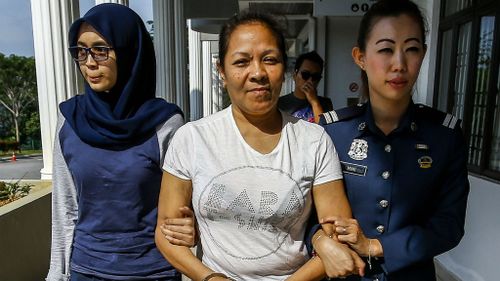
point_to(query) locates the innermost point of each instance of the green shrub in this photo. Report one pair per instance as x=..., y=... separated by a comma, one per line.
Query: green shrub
x=13, y=190
x=6, y=146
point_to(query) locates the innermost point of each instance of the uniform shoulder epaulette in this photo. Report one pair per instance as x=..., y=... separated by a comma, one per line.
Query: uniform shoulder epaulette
x=342, y=114
x=446, y=119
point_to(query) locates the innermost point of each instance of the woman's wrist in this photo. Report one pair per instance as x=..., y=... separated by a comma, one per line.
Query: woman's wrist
x=374, y=249
x=215, y=276
x=317, y=237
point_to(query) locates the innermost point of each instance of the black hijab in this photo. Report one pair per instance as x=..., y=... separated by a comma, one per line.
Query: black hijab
x=129, y=113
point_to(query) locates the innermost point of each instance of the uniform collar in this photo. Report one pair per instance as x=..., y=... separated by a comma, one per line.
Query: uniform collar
x=407, y=124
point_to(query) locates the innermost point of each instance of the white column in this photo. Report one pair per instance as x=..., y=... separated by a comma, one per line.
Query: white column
x=123, y=2
x=55, y=70
x=217, y=87
x=207, y=78
x=311, y=23
x=195, y=74
x=181, y=87
x=320, y=47
x=163, y=18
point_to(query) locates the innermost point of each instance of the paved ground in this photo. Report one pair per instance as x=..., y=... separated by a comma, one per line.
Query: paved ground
x=26, y=167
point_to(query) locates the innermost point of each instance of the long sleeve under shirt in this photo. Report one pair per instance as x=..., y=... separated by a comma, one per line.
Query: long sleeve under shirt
x=117, y=198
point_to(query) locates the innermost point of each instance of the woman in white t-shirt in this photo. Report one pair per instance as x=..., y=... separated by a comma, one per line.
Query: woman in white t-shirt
x=252, y=173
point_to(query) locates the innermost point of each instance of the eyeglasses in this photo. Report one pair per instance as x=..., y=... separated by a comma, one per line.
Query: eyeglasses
x=306, y=75
x=98, y=53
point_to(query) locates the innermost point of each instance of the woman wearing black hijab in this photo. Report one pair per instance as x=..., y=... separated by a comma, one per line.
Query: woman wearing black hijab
x=110, y=144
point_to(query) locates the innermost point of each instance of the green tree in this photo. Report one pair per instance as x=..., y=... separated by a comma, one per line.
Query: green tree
x=5, y=124
x=32, y=124
x=17, y=88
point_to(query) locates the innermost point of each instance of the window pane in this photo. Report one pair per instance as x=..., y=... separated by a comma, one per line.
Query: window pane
x=481, y=90
x=494, y=163
x=453, y=6
x=462, y=69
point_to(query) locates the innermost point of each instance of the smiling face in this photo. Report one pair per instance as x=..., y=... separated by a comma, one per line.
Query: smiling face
x=253, y=70
x=392, y=58
x=101, y=75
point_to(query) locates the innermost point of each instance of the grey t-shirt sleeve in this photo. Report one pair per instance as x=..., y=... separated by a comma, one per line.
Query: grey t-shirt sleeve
x=166, y=131
x=64, y=213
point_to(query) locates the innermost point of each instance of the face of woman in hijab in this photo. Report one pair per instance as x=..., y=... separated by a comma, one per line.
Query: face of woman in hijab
x=101, y=74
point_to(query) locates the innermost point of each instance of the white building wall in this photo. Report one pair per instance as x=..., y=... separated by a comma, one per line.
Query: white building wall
x=424, y=87
x=320, y=48
x=476, y=257
x=340, y=70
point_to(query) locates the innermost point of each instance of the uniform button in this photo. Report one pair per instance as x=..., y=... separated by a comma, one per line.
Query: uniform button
x=386, y=175
x=388, y=148
x=380, y=229
x=413, y=126
x=361, y=126
x=383, y=203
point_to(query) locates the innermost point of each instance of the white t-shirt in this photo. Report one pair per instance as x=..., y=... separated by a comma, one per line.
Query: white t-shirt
x=252, y=208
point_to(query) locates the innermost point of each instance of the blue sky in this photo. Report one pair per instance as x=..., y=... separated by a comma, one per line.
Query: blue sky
x=16, y=31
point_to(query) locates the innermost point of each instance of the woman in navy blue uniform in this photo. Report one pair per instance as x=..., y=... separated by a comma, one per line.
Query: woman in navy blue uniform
x=404, y=164
x=109, y=146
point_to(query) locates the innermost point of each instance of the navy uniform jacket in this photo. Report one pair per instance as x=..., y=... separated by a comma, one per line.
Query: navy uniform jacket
x=408, y=189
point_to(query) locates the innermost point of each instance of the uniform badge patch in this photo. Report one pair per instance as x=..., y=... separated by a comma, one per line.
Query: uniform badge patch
x=421, y=146
x=358, y=150
x=353, y=169
x=425, y=162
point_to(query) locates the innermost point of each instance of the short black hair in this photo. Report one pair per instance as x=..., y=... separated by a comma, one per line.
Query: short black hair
x=247, y=17
x=312, y=56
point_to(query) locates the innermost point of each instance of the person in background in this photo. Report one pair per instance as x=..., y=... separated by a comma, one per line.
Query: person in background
x=251, y=172
x=109, y=148
x=304, y=101
x=404, y=165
